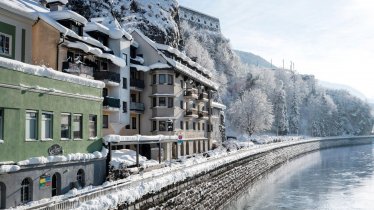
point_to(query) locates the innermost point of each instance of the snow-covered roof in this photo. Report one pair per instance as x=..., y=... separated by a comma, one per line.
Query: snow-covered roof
x=19, y=8
x=137, y=138
x=150, y=67
x=96, y=51
x=53, y=1
x=218, y=105
x=110, y=27
x=66, y=15
x=48, y=72
x=182, y=68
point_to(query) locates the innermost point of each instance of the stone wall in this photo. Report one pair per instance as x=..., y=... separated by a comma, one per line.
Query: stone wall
x=213, y=189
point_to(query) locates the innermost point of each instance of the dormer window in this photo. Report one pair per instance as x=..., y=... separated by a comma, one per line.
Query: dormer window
x=76, y=29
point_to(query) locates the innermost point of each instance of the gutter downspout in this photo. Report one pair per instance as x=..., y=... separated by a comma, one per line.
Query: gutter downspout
x=58, y=51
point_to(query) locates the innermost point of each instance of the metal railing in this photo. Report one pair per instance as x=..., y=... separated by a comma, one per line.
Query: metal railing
x=107, y=75
x=136, y=106
x=77, y=68
x=137, y=83
x=112, y=102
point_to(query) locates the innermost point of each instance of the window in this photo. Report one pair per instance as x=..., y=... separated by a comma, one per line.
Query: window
x=26, y=190
x=162, y=101
x=124, y=56
x=80, y=178
x=104, y=66
x=181, y=125
x=170, y=102
x=133, y=122
x=187, y=128
x=31, y=125
x=77, y=126
x=124, y=107
x=5, y=44
x=154, y=125
x=105, y=121
x=65, y=126
x=162, y=126
x=154, y=102
x=162, y=78
x=124, y=84
x=92, y=125
x=47, y=120
x=203, y=127
x=182, y=84
x=154, y=80
x=181, y=104
x=194, y=126
x=1, y=124
x=170, y=79
x=198, y=126
x=56, y=184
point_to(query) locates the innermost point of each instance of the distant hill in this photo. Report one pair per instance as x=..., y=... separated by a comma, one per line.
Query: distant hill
x=252, y=59
x=335, y=86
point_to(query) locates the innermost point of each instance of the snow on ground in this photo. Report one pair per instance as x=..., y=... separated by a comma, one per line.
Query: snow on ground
x=127, y=157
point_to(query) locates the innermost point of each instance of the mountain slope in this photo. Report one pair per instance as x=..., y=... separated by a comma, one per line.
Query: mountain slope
x=252, y=59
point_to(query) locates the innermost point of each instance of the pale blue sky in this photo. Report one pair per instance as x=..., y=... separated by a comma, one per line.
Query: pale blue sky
x=332, y=39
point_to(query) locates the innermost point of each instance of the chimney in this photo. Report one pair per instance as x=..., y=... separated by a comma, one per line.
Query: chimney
x=54, y=5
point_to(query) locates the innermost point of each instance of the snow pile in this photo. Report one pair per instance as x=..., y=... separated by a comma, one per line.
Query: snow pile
x=1, y=141
x=218, y=105
x=126, y=157
x=265, y=139
x=64, y=158
x=139, y=59
x=48, y=72
x=117, y=138
x=9, y=168
x=107, y=26
x=67, y=14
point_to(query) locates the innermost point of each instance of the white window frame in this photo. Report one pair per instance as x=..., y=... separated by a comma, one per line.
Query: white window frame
x=95, y=126
x=10, y=44
x=81, y=126
x=47, y=122
x=36, y=125
x=69, y=125
x=1, y=124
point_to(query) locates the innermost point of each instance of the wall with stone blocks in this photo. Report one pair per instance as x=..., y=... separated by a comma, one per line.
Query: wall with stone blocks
x=213, y=189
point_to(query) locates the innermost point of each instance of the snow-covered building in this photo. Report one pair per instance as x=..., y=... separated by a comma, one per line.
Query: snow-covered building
x=199, y=19
x=170, y=95
x=116, y=113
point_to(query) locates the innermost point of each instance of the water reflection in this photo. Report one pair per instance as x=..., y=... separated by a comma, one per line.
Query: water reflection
x=339, y=178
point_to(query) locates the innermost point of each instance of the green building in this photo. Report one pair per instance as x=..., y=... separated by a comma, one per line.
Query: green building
x=50, y=121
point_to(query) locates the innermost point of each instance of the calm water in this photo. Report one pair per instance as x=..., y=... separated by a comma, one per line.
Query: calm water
x=340, y=178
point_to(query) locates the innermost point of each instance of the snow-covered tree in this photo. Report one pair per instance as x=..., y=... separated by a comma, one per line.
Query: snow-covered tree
x=280, y=111
x=252, y=112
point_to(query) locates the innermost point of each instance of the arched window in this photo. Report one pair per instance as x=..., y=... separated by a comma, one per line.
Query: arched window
x=2, y=195
x=80, y=178
x=26, y=190
x=56, y=184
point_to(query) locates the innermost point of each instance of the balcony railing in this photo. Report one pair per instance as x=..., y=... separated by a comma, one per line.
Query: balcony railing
x=107, y=75
x=203, y=97
x=112, y=102
x=78, y=69
x=136, y=106
x=203, y=114
x=191, y=93
x=137, y=83
x=191, y=113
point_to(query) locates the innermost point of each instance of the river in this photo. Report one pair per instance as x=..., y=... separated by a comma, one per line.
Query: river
x=339, y=178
